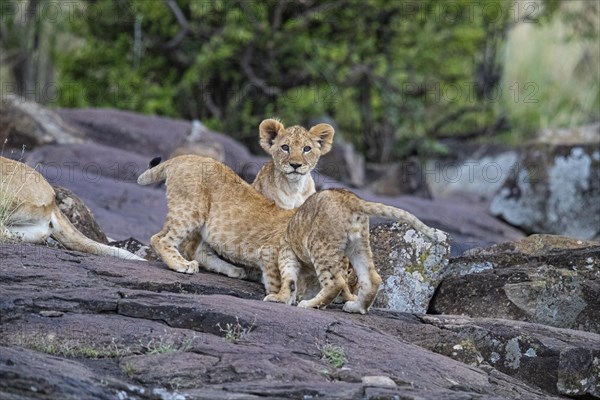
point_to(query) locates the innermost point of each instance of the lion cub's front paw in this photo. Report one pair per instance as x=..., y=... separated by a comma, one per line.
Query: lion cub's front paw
x=305, y=304
x=275, y=298
x=191, y=267
x=354, y=307
x=311, y=304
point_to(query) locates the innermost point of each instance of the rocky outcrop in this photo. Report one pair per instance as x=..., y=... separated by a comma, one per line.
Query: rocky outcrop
x=199, y=143
x=343, y=164
x=26, y=123
x=79, y=326
x=556, y=186
x=543, y=278
x=559, y=361
x=151, y=136
x=80, y=216
x=399, y=178
x=479, y=172
x=410, y=265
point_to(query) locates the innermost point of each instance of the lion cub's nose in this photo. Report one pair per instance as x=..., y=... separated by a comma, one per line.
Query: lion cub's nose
x=295, y=166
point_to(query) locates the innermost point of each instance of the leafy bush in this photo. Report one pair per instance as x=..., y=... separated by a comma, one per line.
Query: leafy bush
x=396, y=76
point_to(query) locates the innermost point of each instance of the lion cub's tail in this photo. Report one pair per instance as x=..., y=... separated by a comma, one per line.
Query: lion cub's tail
x=382, y=210
x=156, y=172
x=67, y=235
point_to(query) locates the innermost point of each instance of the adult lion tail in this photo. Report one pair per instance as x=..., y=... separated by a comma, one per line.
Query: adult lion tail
x=67, y=235
x=156, y=172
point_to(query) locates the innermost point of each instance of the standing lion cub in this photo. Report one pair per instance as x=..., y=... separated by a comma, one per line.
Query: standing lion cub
x=245, y=228
x=29, y=212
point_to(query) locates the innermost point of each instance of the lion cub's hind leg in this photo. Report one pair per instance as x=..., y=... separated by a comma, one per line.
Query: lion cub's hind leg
x=361, y=257
x=209, y=259
x=178, y=226
x=350, y=277
x=332, y=277
x=289, y=267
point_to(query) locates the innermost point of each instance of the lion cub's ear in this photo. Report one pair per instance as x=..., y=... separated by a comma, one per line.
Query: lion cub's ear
x=324, y=134
x=269, y=129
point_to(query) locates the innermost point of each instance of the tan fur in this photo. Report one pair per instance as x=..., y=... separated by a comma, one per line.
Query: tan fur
x=242, y=226
x=288, y=186
x=33, y=214
x=330, y=226
x=286, y=178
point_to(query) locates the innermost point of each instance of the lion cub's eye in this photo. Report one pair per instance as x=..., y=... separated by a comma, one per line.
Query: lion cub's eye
x=307, y=149
x=285, y=148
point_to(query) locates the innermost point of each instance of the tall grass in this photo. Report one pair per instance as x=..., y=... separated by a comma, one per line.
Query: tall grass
x=9, y=193
x=552, y=72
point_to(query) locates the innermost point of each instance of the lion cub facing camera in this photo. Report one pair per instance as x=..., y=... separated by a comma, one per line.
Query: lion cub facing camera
x=245, y=228
x=286, y=178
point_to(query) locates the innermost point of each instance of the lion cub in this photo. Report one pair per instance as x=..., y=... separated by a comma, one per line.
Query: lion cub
x=242, y=226
x=286, y=178
x=30, y=213
x=330, y=227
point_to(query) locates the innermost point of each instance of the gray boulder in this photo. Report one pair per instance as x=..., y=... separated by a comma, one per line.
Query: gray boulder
x=560, y=361
x=397, y=179
x=26, y=123
x=343, y=163
x=410, y=265
x=543, y=279
x=555, y=187
x=152, y=136
x=79, y=214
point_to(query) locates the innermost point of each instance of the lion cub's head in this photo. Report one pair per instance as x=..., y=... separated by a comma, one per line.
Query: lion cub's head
x=295, y=150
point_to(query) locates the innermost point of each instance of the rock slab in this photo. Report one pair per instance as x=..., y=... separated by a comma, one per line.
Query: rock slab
x=74, y=325
x=555, y=187
x=545, y=279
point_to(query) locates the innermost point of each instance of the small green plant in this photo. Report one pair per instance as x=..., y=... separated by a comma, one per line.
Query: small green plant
x=159, y=346
x=235, y=332
x=129, y=369
x=334, y=355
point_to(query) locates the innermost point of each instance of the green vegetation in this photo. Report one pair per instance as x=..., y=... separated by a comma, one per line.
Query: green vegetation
x=61, y=346
x=129, y=369
x=551, y=71
x=235, y=332
x=396, y=76
x=161, y=346
x=334, y=355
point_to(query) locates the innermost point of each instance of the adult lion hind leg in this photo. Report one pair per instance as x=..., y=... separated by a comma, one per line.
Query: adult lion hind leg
x=289, y=267
x=33, y=232
x=166, y=242
x=369, y=280
x=332, y=279
x=29, y=226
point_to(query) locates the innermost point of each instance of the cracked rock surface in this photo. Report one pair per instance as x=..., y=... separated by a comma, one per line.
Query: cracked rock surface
x=77, y=326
